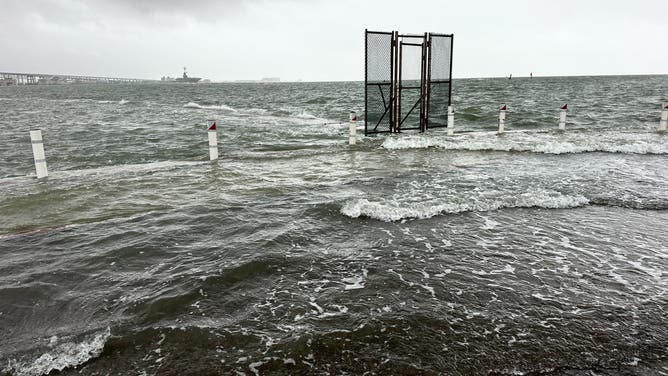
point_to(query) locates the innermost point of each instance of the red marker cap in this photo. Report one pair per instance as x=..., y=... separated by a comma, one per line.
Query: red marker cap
x=212, y=127
x=504, y=107
x=666, y=107
x=564, y=107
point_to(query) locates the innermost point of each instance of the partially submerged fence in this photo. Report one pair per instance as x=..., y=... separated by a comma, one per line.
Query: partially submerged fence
x=407, y=81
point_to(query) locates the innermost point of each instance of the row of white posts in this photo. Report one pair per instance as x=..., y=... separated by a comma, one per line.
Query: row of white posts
x=40, y=158
x=504, y=108
x=501, y=123
x=562, y=118
x=663, y=123
x=353, y=125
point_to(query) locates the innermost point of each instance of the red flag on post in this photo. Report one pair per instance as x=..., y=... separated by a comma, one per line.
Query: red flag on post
x=666, y=107
x=564, y=107
x=504, y=108
x=212, y=127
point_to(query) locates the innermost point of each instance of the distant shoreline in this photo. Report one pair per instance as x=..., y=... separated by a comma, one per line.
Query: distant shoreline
x=270, y=82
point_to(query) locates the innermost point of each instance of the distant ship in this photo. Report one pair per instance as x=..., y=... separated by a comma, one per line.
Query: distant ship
x=185, y=77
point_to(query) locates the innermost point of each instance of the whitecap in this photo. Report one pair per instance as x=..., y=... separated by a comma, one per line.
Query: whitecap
x=64, y=355
x=396, y=210
x=317, y=307
x=430, y=289
x=353, y=283
x=222, y=107
x=536, y=142
x=306, y=115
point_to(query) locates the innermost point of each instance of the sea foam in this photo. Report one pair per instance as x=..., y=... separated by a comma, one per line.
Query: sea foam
x=222, y=107
x=393, y=210
x=63, y=355
x=536, y=142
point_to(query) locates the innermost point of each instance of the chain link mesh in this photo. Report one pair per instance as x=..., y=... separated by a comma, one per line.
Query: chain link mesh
x=411, y=83
x=440, y=57
x=439, y=99
x=439, y=86
x=379, y=82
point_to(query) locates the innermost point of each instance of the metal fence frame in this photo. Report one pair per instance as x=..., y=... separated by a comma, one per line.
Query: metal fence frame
x=370, y=86
x=433, y=83
x=392, y=109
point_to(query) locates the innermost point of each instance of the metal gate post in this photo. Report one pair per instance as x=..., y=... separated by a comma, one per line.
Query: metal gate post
x=366, y=79
x=452, y=44
x=395, y=77
x=423, y=85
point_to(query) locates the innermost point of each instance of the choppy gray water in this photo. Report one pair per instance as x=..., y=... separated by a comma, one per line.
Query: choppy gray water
x=533, y=252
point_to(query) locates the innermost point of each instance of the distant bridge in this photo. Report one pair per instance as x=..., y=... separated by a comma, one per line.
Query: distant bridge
x=11, y=79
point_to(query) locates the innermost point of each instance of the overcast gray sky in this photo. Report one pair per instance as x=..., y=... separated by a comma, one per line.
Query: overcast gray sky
x=323, y=40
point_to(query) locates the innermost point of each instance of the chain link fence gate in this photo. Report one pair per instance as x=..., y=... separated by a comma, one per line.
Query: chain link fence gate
x=379, y=96
x=407, y=81
x=440, y=80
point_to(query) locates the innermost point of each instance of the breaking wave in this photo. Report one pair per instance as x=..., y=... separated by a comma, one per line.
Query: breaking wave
x=306, y=115
x=390, y=210
x=536, y=143
x=61, y=356
x=222, y=107
x=300, y=115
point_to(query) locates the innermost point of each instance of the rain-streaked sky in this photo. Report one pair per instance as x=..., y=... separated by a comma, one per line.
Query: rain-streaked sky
x=323, y=40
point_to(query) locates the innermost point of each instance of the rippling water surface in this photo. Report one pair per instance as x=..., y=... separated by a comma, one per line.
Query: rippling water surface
x=532, y=252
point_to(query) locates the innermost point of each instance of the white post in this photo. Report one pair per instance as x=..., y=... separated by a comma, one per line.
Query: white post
x=562, y=117
x=502, y=118
x=38, y=153
x=451, y=121
x=663, y=123
x=213, y=140
x=353, y=128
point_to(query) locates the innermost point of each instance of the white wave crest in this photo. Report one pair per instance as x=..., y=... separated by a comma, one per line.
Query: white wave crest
x=396, y=143
x=122, y=101
x=63, y=355
x=545, y=143
x=392, y=210
x=257, y=111
x=222, y=107
x=307, y=118
x=306, y=115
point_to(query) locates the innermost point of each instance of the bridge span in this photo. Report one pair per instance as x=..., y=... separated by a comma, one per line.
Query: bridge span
x=12, y=78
